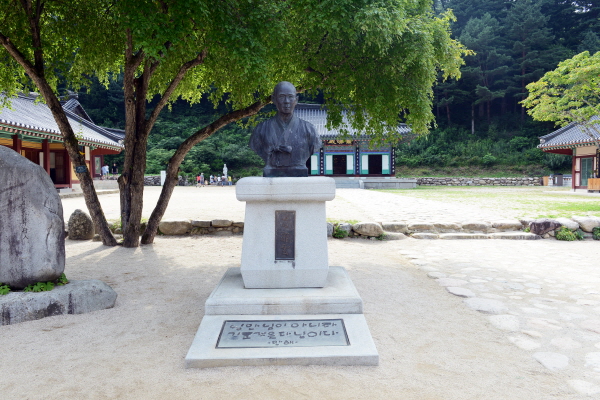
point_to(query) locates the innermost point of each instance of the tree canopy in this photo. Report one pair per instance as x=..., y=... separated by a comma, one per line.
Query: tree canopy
x=570, y=93
x=377, y=59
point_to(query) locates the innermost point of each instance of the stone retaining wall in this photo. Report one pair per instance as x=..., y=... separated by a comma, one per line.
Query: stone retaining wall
x=534, y=181
x=525, y=229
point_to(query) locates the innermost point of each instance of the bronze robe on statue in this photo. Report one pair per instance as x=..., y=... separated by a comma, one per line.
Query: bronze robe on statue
x=285, y=149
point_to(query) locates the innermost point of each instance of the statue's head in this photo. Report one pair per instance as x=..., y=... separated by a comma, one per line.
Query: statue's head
x=285, y=97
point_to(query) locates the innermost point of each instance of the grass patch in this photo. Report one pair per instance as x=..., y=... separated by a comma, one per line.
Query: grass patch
x=510, y=201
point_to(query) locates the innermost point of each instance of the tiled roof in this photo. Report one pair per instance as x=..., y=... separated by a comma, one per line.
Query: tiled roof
x=26, y=115
x=316, y=115
x=568, y=136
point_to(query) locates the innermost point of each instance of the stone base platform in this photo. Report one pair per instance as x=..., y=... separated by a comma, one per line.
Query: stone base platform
x=339, y=296
x=204, y=352
x=76, y=297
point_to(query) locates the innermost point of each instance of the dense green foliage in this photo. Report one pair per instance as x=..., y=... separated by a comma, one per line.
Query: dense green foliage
x=570, y=93
x=480, y=119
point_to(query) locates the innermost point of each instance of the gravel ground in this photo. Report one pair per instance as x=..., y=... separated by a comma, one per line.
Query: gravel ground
x=461, y=319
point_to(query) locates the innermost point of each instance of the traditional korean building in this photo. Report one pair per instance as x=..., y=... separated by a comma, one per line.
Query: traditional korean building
x=574, y=141
x=347, y=156
x=29, y=128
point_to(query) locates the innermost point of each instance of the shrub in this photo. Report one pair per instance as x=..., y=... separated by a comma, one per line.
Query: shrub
x=4, y=289
x=40, y=287
x=339, y=233
x=488, y=160
x=565, y=233
x=596, y=233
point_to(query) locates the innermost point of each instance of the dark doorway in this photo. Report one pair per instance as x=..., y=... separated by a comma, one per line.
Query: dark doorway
x=339, y=165
x=375, y=164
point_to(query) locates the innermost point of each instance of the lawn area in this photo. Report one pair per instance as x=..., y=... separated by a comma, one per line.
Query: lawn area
x=526, y=201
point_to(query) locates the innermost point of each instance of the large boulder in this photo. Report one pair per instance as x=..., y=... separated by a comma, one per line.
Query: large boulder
x=32, y=233
x=587, y=224
x=569, y=223
x=368, y=228
x=80, y=226
x=543, y=226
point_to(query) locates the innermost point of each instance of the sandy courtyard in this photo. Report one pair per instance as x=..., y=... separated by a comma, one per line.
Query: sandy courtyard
x=430, y=345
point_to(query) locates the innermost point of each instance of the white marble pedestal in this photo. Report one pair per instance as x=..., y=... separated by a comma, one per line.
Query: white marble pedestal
x=284, y=306
x=305, y=198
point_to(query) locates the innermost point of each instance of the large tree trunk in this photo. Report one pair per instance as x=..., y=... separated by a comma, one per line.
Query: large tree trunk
x=137, y=130
x=35, y=71
x=180, y=153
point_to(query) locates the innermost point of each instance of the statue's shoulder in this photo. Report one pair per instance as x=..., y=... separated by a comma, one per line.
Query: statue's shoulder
x=264, y=125
x=307, y=125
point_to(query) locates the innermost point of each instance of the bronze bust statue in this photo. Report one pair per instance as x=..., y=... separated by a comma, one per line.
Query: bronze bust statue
x=285, y=141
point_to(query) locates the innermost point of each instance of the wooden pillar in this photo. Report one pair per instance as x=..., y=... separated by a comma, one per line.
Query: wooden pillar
x=46, y=152
x=68, y=169
x=17, y=143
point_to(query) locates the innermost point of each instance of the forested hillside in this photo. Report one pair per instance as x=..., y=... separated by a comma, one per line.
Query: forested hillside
x=481, y=127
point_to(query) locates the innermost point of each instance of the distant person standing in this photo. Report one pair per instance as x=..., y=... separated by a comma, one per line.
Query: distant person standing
x=229, y=180
x=104, y=171
x=197, y=180
x=115, y=169
x=202, y=181
x=218, y=181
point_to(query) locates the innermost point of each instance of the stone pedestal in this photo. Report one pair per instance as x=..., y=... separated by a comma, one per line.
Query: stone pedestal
x=285, y=215
x=284, y=306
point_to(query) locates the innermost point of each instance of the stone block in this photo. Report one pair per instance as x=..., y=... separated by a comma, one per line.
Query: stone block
x=32, y=231
x=424, y=236
x=543, y=226
x=421, y=227
x=569, y=223
x=221, y=223
x=400, y=227
x=368, y=229
x=452, y=236
x=329, y=229
x=238, y=224
x=346, y=227
x=445, y=227
x=201, y=224
x=508, y=225
x=223, y=233
x=80, y=226
x=587, y=224
x=77, y=297
x=394, y=236
x=175, y=227
x=515, y=236
x=476, y=226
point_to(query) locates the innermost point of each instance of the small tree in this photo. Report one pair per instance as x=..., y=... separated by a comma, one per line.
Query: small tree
x=570, y=93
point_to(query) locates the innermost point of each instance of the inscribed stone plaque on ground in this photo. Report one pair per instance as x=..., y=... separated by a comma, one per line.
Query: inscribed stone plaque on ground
x=294, y=333
x=285, y=235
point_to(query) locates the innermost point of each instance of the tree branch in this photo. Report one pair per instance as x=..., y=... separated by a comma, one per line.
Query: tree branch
x=173, y=85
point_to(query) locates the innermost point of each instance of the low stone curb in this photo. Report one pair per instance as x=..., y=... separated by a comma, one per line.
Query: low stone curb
x=533, y=181
x=76, y=297
x=525, y=229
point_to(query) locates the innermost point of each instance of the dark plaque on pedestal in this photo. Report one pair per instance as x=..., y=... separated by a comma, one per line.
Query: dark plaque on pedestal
x=285, y=235
x=283, y=333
